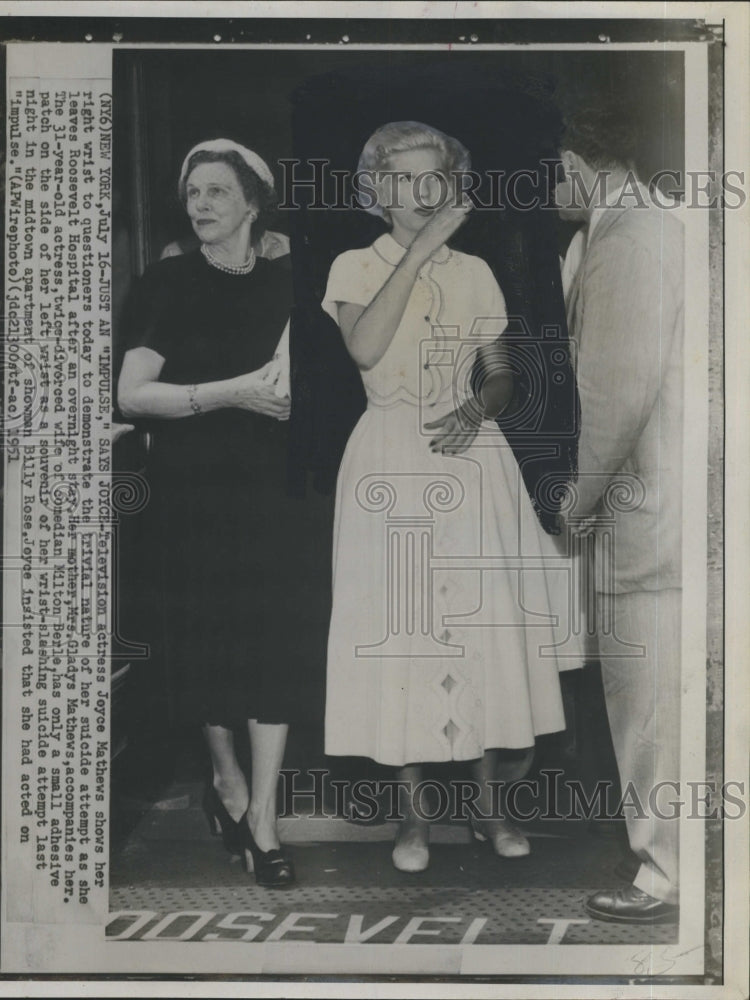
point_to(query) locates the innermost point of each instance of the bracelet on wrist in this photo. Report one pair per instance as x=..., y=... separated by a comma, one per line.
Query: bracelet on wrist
x=195, y=406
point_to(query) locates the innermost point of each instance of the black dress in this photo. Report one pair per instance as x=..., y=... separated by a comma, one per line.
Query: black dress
x=218, y=493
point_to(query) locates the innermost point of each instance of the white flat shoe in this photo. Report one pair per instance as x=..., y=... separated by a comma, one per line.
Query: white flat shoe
x=410, y=854
x=507, y=842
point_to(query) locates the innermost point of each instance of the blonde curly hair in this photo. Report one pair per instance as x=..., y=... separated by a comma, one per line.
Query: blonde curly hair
x=400, y=137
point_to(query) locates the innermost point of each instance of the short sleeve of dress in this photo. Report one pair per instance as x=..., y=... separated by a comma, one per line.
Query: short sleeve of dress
x=147, y=319
x=354, y=277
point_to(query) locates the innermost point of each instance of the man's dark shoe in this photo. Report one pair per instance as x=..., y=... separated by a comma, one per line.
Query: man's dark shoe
x=630, y=906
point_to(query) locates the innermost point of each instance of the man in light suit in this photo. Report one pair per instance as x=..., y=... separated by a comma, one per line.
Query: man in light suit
x=624, y=285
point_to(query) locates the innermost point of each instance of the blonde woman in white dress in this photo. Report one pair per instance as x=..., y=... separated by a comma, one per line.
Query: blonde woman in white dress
x=457, y=663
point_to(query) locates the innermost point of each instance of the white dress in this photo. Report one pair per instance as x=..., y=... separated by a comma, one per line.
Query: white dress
x=450, y=603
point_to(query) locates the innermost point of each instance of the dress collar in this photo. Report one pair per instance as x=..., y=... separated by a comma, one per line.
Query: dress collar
x=392, y=252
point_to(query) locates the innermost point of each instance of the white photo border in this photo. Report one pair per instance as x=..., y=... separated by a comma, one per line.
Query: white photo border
x=719, y=288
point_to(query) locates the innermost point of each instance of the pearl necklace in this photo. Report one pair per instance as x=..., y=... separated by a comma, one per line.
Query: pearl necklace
x=245, y=268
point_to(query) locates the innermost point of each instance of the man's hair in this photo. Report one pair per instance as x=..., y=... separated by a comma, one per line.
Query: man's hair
x=603, y=133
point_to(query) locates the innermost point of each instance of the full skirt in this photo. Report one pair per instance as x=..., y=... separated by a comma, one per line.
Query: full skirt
x=451, y=606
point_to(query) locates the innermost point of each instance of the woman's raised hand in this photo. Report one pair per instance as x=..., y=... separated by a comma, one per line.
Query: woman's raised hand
x=441, y=226
x=252, y=392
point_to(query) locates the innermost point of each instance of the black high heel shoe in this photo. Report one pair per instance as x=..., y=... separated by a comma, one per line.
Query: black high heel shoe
x=272, y=870
x=220, y=822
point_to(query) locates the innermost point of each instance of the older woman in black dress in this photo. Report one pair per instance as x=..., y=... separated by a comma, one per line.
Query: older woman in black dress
x=202, y=330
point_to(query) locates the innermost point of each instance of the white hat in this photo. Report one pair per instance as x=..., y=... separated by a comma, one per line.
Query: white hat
x=252, y=159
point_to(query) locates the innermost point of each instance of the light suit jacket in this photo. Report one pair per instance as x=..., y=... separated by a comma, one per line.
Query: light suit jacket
x=625, y=318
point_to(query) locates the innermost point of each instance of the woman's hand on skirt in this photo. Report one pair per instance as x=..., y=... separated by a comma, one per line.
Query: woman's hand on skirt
x=455, y=431
x=252, y=392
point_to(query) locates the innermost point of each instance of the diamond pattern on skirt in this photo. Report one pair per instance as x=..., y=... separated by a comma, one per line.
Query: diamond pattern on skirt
x=451, y=731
